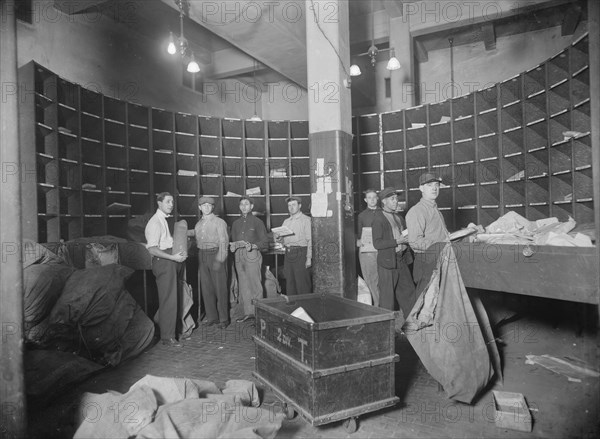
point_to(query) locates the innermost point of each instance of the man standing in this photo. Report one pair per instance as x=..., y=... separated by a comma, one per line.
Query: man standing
x=366, y=256
x=249, y=236
x=167, y=268
x=298, y=249
x=426, y=224
x=393, y=256
x=212, y=240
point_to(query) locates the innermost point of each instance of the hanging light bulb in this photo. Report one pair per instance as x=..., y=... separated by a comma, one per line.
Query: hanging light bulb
x=193, y=66
x=255, y=117
x=355, y=70
x=393, y=63
x=171, y=48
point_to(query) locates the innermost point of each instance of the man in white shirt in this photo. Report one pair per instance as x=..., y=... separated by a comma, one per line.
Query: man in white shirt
x=167, y=268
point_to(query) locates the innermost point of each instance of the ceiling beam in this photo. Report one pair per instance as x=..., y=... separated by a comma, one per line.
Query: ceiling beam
x=71, y=7
x=489, y=36
x=571, y=20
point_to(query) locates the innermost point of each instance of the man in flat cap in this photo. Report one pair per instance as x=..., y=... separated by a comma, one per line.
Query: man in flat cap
x=425, y=223
x=212, y=241
x=298, y=249
x=167, y=267
x=393, y=255
x=249, y=239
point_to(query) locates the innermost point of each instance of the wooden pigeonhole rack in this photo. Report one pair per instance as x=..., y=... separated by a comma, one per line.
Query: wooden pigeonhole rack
x=337, y=368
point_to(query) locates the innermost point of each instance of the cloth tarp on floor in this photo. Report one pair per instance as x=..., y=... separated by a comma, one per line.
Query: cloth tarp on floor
x=157, y=407
x=450, y=334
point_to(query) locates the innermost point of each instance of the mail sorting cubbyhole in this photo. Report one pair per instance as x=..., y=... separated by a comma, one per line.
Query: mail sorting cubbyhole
x=536, y=135
x=371, y=180
x=68, y=94
x=299, y=129
x=535, y=108
x=139, y=181
x=186, y=162
x=301, y=167
x=559, y=98
x=440, y=155
x=187, y=205
x=255, y=168
x=232, y=147
x=185, y=123
x=163, y=161
x=584, y=211
x=233, y=184
x=299, y=148
x=466, y=216
x=138, y=137
x=255, y=148
x=210, y=166
x=513, y=142
x=116, y=179
x=463, y=106
x=185, y=143
x=370, y=162
x=233, y=128
x=368, y=123
x=162, y=120
x=416, y=137
x=210, y=146
x=466, y=197
x=92, y=175
x=233, y=167
x=45, y=111
x=439, y=133
x=209, y=126
x=163, y=183
x=416, y=157
x=187, y=185
x=416, y=116
x=111, y=198
x=581, y=118
x=487, y=123
x=582, y=151
x=439, y=112
x=537, y=212
x=278, y=129
x=444, y=198
x=210, y=186
x=301, y=185
x=489, y=195
x=70, y=228
x=558, y=68
x=48, y=200
x=393, y=179
x=115, y=109
x=93, y=226
x=488, y=171
x=69, y=174
x=279, y=185
x=91, y=127
x=162, y=140
x=464, y=151
x=583, y=184
x=45, y=82
x=140, y=204
x=70, y=202
x=91, y=102
x=391, y=161
x=369, y=143
x=68, y=147
x=510, y=91
x=278, y=148
x=260, y=207
x=392, y=121
x=116, y=156
x=254, y=130
x=537, y=190
x=278, y=204
x=256, y=184
x=392, y=140
x=137, y=115
x=464, y=128
x=558, y=126
x=580, y=86
x=511, y=117
x=536, y=163
x=68, y=120
x=534, y=80
x=486, y=100
x=138, y=159
x=562, y=211
x=513, y=193
x=93, y=203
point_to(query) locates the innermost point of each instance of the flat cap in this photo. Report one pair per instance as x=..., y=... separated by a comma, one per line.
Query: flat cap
x=204, y=200
x=292, y=198
x=387, y=192
x=428, y=178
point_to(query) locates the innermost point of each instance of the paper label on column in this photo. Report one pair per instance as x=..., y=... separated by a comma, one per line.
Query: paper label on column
x=318, y=205
x=319, y=174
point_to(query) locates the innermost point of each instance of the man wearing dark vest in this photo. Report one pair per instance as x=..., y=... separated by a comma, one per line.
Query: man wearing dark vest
x=393, y=255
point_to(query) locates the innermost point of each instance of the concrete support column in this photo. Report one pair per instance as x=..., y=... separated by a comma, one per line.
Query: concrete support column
x=330, y=147
x=12, y=387
x=402, y=81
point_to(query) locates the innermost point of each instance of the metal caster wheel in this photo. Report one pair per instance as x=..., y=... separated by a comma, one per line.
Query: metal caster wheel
x=351, y=425
x=289, y=412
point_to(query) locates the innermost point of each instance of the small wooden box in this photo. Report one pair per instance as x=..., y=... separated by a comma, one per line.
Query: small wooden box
x=338, y=367
x=512, y=411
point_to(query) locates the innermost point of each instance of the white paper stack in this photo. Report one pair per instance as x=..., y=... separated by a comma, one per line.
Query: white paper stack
x=303, y=315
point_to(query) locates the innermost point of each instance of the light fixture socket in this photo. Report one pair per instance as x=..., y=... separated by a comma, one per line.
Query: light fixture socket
x=355, y=70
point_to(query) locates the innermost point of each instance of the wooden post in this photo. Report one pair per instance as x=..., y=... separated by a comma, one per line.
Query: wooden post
x=12, y=387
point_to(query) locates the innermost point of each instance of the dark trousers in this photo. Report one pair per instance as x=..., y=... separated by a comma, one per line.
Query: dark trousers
x=297, y=276
x=396, y=282
x=168, y=275
x=212, y=275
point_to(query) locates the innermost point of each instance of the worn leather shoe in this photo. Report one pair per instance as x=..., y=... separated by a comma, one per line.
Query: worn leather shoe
x=223, y=325
x=245, y=318
x=171, y=342
x=209, y=323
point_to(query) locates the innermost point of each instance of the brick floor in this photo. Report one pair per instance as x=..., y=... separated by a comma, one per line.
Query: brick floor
x=562, y=409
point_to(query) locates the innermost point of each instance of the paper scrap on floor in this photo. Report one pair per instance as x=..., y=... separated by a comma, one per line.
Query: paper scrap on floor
x=574, y=369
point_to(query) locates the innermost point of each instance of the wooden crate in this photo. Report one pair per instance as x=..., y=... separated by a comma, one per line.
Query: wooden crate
x=338, y=367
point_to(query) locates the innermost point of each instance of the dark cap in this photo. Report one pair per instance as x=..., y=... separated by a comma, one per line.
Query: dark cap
x=292, y=198
x=204, y=200
x=387, y=192
x=245, y=197
x=428, y=178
